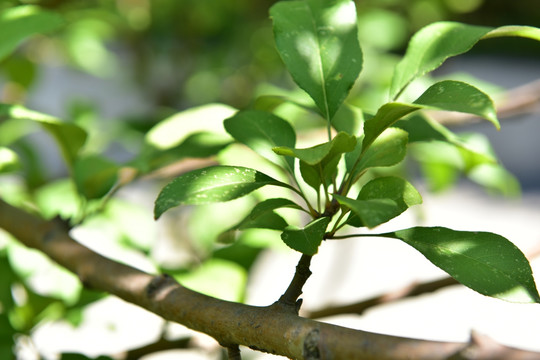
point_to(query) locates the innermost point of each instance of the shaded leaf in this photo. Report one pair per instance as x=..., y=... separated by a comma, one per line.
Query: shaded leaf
x=340, y=144
x=261, y=131
x=211, y=184
x=94, y=176
x=306, y=240
x=486, y=262
x=263, y=216
x=318, y=43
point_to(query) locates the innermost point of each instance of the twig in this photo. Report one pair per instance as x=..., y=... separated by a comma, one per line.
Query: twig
x=293, y=292
x=408, y=291
x=263, y=328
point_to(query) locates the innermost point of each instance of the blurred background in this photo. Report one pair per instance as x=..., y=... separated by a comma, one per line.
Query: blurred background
x=118, y=67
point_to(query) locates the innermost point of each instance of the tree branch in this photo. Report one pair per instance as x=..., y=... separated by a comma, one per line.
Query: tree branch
x=267, y=329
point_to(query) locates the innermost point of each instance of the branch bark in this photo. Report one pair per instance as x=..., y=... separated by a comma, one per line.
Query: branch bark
x=268, y=329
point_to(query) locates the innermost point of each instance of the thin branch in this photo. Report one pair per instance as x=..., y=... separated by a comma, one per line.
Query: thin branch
x=359, y=307
x=293, y=292
x=268, y=329
x=411, y=290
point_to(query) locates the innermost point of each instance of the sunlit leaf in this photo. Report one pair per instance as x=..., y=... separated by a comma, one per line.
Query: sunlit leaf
x=318, y=43
x=9, y=161
x=173, y=130
x=21, y=22
x=307, y=239
x=387, y=150
x=69, y=137
x=212, y=184
x=459, y=96
x=486, y=262
x=435, y=43
x=261, y=131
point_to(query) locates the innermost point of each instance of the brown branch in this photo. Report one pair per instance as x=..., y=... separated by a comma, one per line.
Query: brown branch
x=263, y=328
x=293, y=292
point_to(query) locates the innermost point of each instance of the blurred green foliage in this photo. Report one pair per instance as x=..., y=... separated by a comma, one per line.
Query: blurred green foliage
x=181, y=54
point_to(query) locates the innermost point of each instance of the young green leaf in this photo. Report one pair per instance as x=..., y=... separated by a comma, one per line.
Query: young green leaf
x=261, y=131
x=318, y=43
x=387, y=150
x=435, y=43
x=486, y=262
x=212, y=184
x=385, y=117
x=21, y=22
x=388, y=187
x=308, y=239
x=69, y=137
x=340, y=144
x=94, y=176
x=459, y=96
x=263, y=216
x=445, y=95
x=372, y=212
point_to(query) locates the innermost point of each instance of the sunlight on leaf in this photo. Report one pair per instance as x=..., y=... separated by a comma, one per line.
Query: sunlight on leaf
x=318, y=42
x=212, y=184
x=486, y=262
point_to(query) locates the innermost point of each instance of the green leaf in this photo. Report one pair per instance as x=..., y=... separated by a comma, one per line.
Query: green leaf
x=389, y=149
x=94, y=176
x=9, y=161
x=175, y=129
x=263, y=216
x=340, y=144
x=211, y=184
x=435, y=43
x=308, y=239
x=372, y=212
x=400, y=191
x=261, y=131
x=514, y=30
x=70, y=137
x=459, y=96
x=19, y=23
x=446, y=95
x=486, y=262
x=387, y=115
x=430, y=47
x=318, y=43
